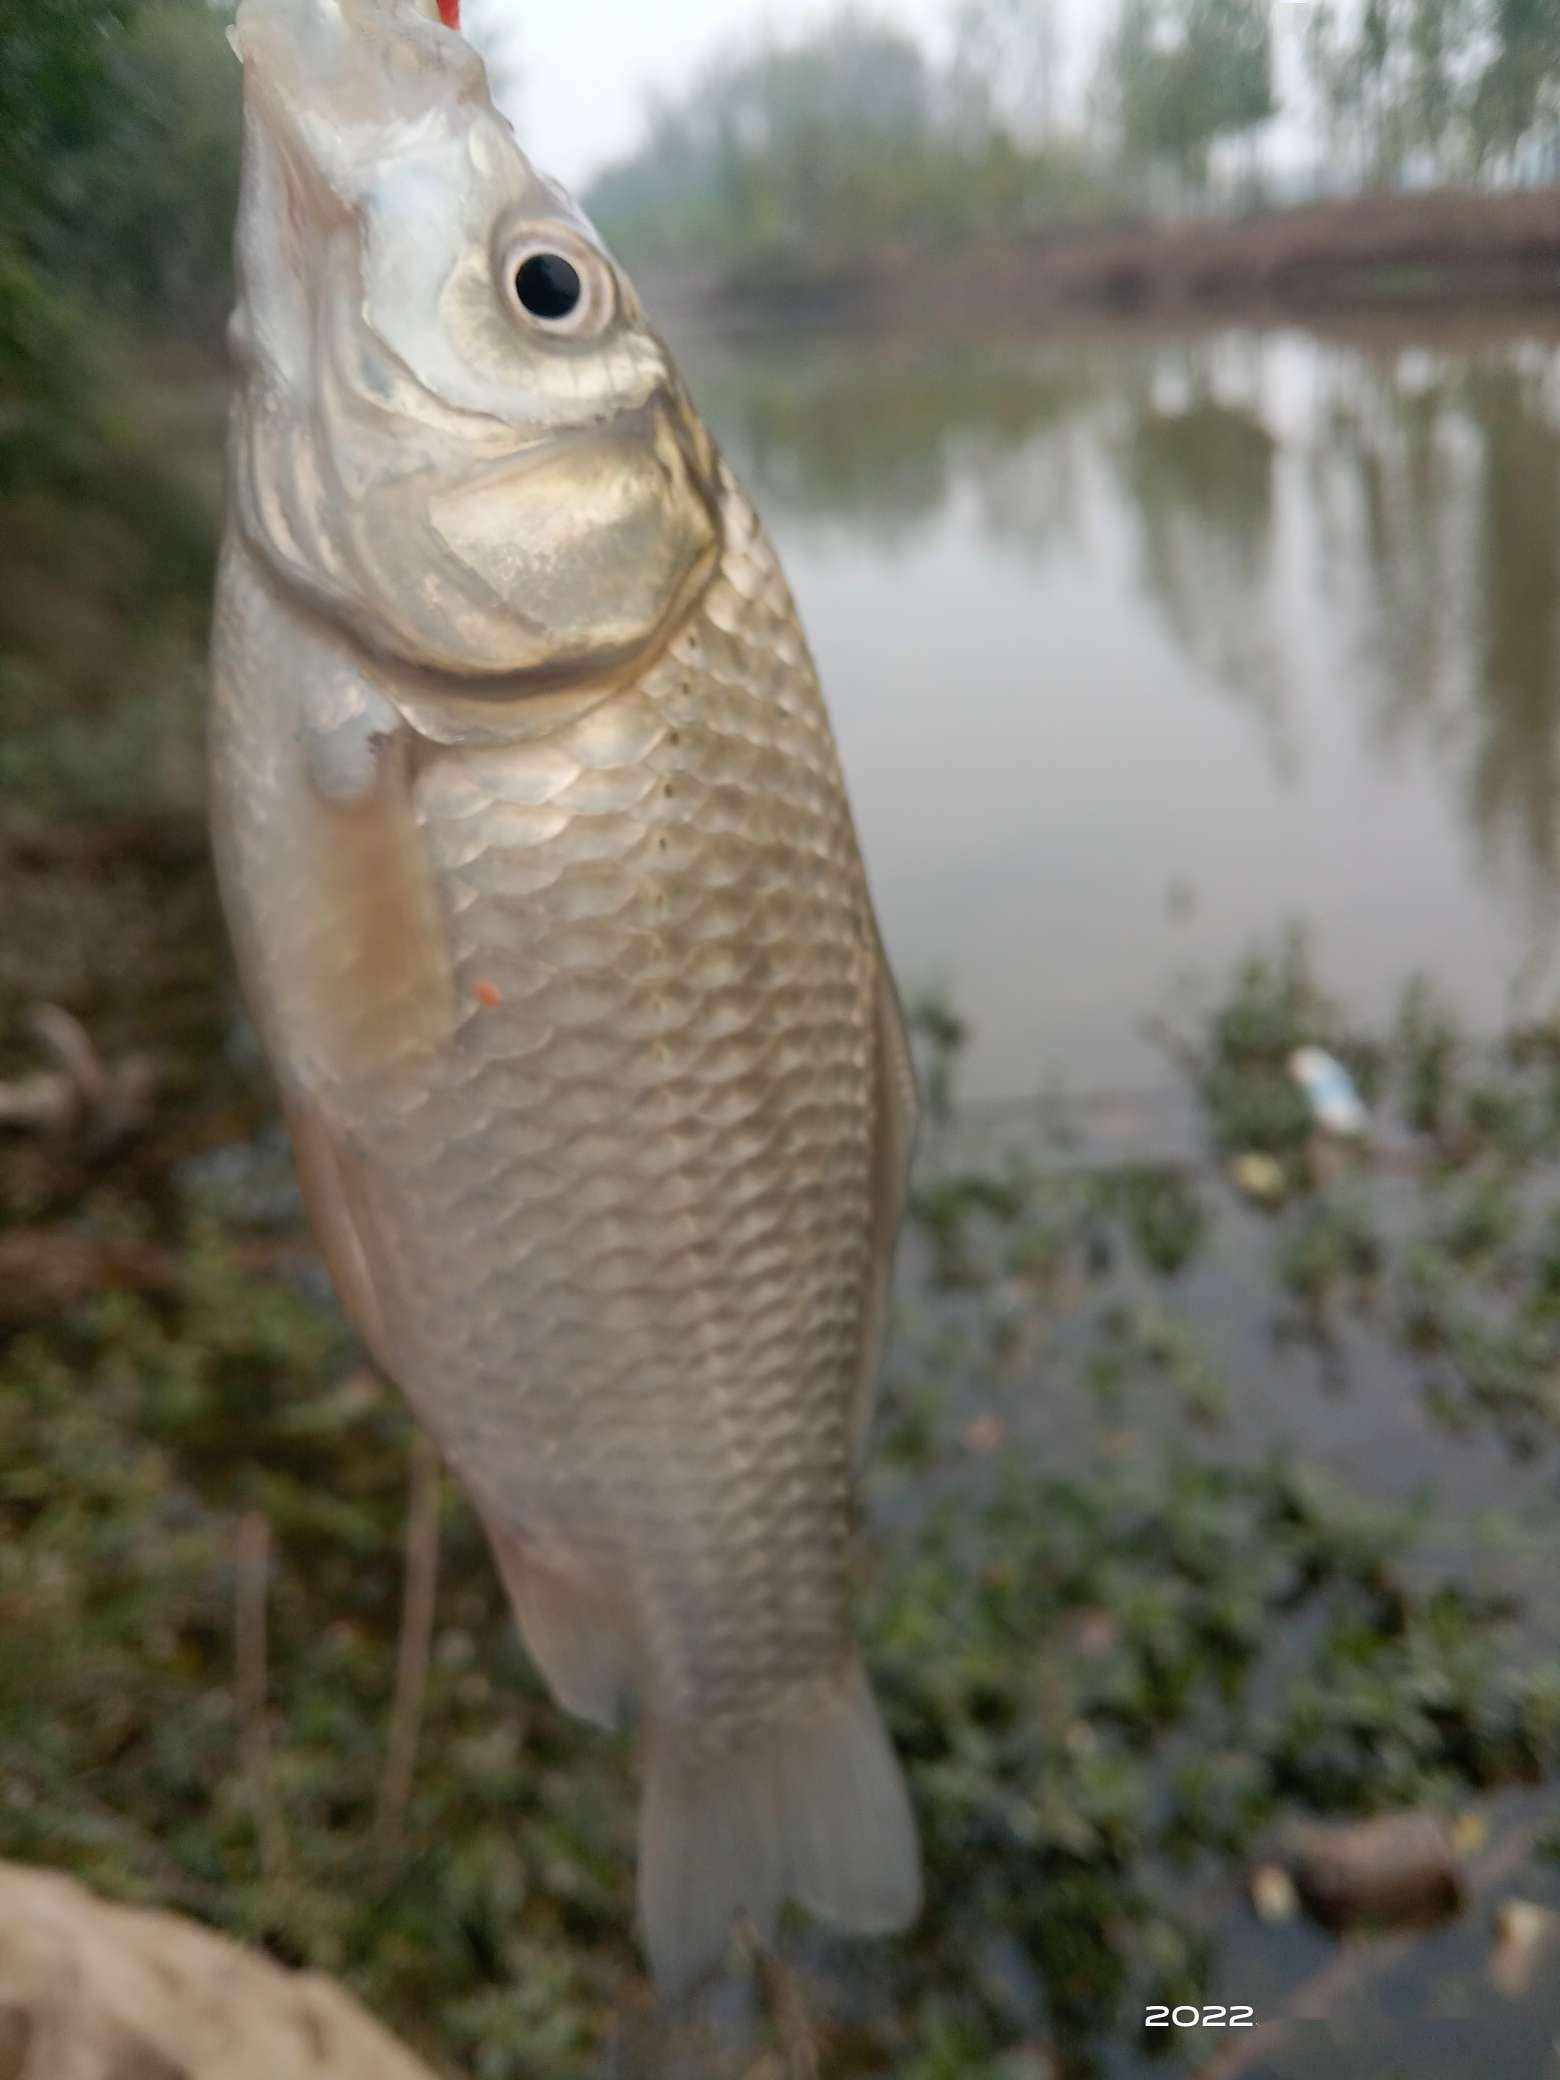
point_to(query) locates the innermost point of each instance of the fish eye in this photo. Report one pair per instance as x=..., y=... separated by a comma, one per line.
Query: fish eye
x=548, y=286
x=557, y=286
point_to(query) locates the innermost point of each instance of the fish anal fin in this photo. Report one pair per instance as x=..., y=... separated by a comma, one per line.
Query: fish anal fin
x=580, y=1637
x=370, y=977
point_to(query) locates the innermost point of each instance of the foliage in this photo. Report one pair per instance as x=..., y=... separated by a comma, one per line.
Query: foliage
x=149, y=225
x=1181, y=74
x=1251, y=1099
x=1005, y=67
x=786, y=161
x=1516, y=90
x=932, y=1020
x=791, y=158
x=1438, y=34
x=52, y=89
x=769, y=151
x=1438, y=86
x=52, y=77
x=118, y=172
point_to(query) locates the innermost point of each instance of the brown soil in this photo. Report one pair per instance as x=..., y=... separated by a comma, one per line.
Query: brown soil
x=1447, y=248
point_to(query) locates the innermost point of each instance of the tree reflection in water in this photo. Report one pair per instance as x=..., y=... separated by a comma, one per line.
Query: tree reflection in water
x=1436, y=479
x=1390, y=503
x=1200, y=480
x=878, y=443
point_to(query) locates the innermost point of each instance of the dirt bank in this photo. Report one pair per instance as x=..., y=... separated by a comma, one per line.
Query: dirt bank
x=1446, y=249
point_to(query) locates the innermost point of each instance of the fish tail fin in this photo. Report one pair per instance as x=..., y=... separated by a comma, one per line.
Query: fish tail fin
x=814, y=1809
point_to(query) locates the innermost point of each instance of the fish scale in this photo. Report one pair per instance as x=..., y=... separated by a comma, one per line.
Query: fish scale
x=771, y=1322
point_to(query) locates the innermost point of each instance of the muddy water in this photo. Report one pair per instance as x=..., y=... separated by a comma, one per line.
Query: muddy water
x=1137, y=646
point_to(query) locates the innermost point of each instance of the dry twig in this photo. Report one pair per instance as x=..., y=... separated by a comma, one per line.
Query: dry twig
x=253, y=1568
x=81, y=1099
x=411, y=1665
x=793, y=2024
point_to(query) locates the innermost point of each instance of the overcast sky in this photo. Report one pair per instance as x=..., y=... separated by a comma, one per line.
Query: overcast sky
x=583, y=66
x=572, y=75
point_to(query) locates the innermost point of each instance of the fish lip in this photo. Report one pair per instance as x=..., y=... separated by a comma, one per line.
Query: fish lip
x=363, y=66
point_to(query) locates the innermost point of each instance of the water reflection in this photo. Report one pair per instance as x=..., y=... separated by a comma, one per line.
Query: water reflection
x=1455, y=465
x=879, y=445
x=1386, y=484
x=1201, y=481
x=1268, y=614
x=1515, y=779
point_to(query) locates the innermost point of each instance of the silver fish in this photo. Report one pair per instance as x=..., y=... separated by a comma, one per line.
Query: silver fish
x=547, y=900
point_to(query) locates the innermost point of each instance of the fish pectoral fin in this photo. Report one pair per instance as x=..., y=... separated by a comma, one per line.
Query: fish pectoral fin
x=328, y=1180
x=897, y=1118
x=370, y=976
x=580, y=1637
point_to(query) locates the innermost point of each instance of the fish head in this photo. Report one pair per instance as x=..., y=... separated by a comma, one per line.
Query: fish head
x=454, y=431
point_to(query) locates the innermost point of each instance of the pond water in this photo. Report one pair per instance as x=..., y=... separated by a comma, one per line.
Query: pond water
x=1138, y=645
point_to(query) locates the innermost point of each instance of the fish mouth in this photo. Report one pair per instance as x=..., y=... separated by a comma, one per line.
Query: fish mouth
x=334, y=76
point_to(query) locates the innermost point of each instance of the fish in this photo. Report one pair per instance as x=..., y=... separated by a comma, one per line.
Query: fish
x=548, y=905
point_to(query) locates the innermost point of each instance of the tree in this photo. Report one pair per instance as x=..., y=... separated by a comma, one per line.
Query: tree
x=53, y=76
x=1378, y=54
x=1398, y=85
x=1185, y=73
x=1004, y=73
x=1334, y=80
x=149, y=226
x=52, y=84
x=118, y=173
x=1130, y=86
x=1523, y=71
x=1229, y=43
x=1438, y=35
x=787, y=159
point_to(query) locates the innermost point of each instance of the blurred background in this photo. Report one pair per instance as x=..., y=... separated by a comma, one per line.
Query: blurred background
x=1157, y=408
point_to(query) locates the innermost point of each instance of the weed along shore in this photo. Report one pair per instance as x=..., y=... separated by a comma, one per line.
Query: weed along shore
x=1201, y=1515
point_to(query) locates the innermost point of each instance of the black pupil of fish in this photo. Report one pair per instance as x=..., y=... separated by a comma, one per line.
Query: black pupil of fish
x=547, y=285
